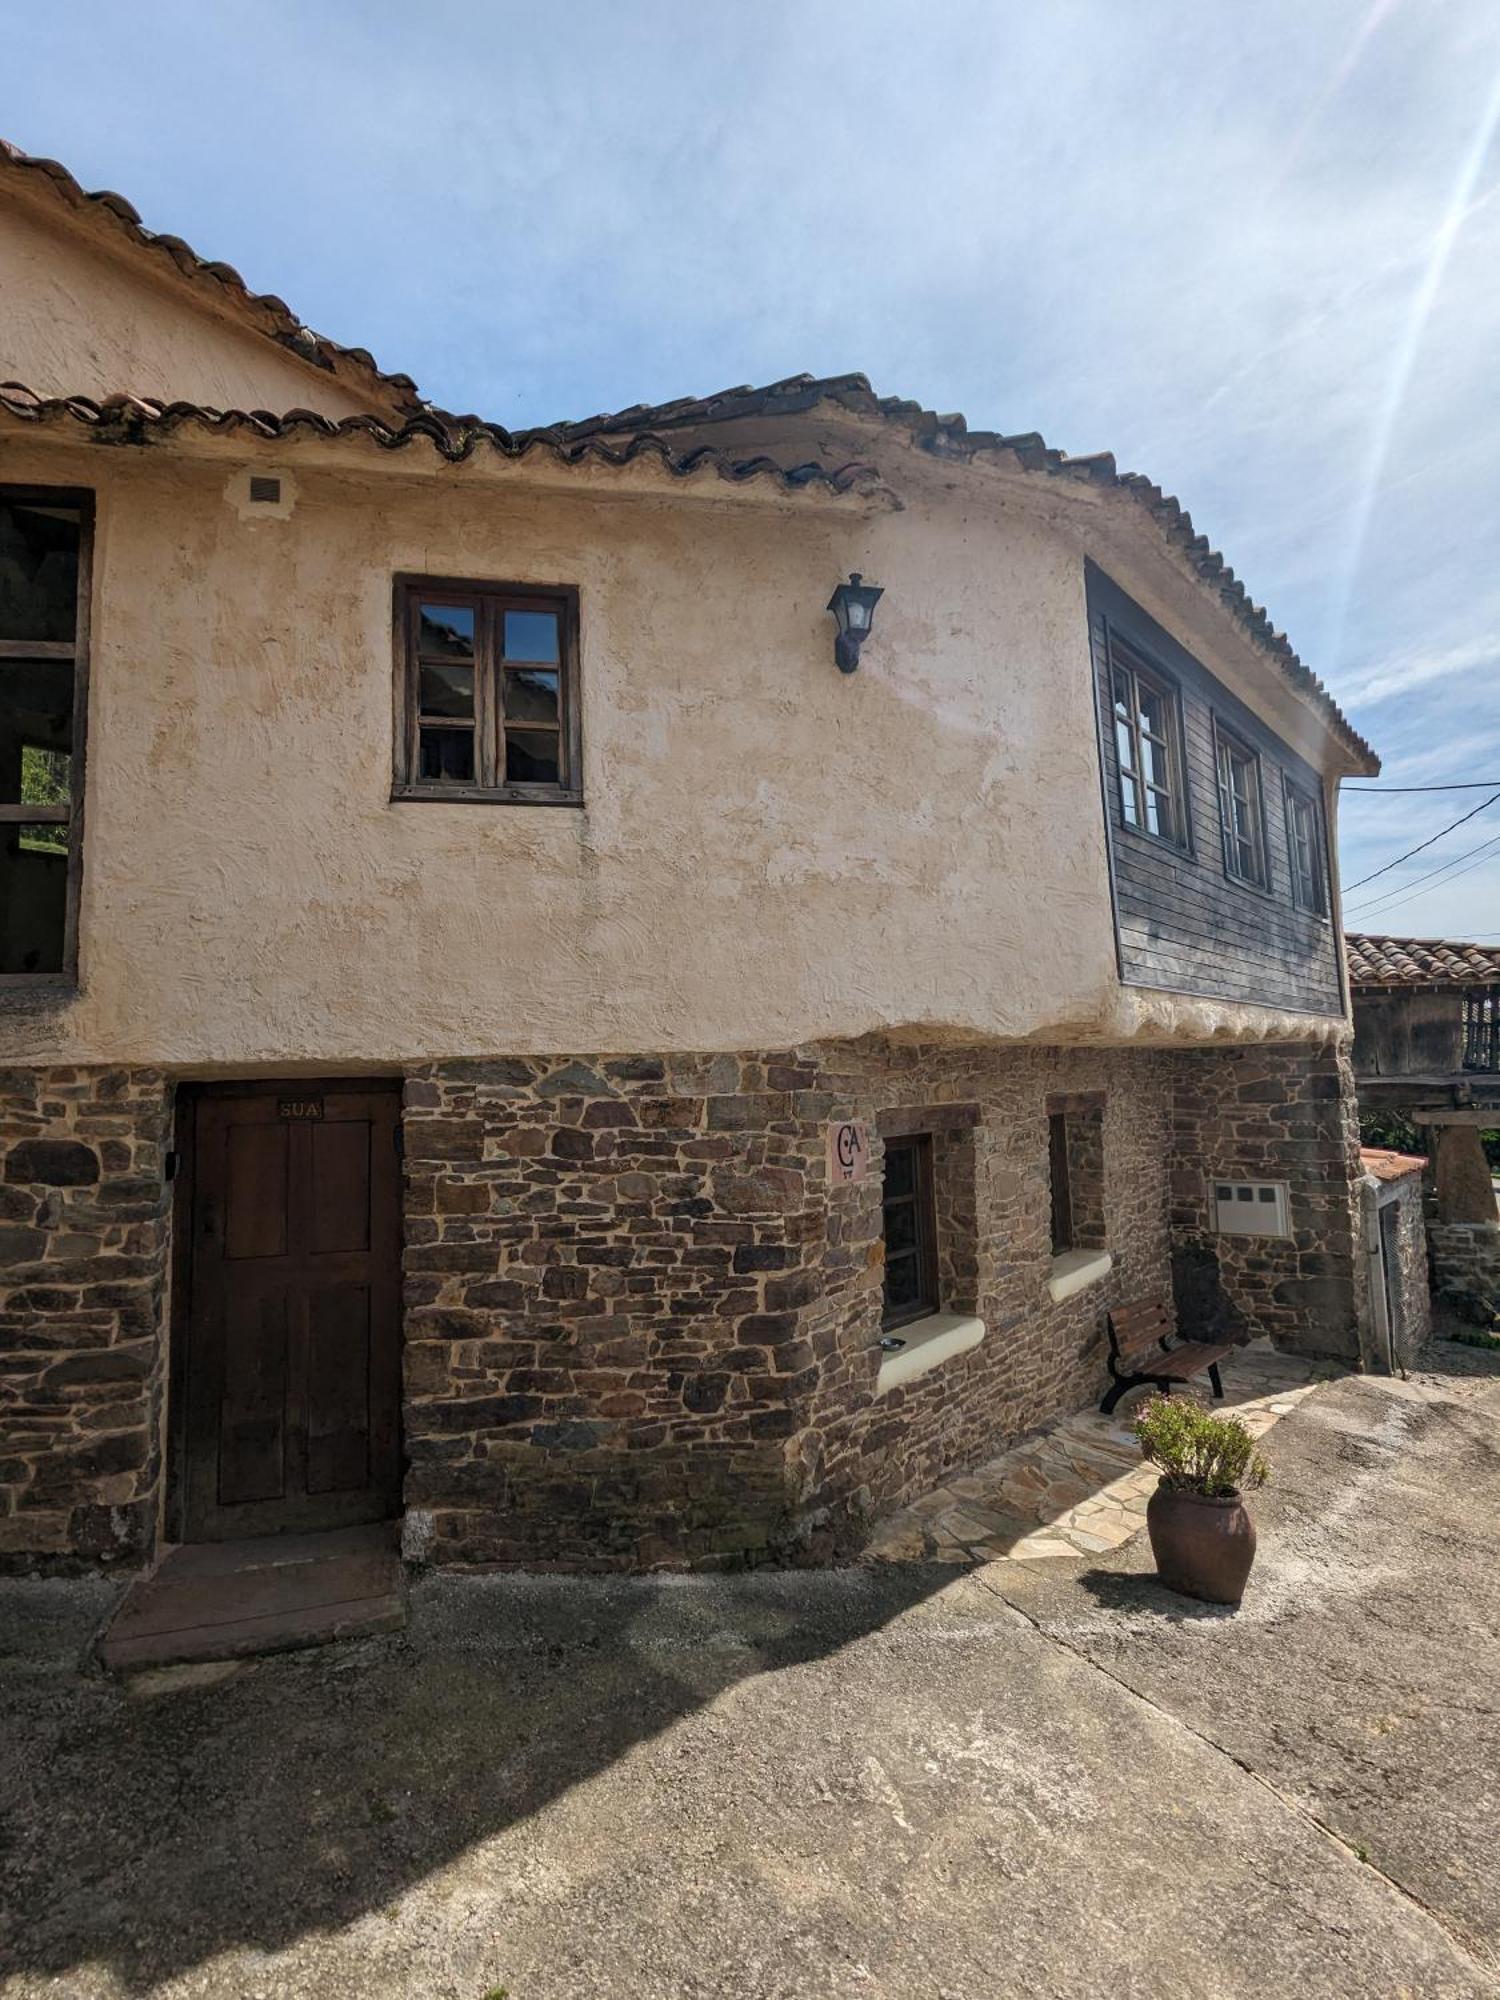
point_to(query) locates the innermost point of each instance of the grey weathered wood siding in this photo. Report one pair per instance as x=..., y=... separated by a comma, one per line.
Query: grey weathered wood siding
x=1181, y=921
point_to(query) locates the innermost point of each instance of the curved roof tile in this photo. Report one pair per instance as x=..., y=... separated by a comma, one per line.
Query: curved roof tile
x=1395, y=961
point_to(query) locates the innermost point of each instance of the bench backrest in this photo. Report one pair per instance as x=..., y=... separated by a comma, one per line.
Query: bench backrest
x=1135, y=1328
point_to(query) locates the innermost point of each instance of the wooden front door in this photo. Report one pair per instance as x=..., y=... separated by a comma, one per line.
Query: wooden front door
x=293, y=1366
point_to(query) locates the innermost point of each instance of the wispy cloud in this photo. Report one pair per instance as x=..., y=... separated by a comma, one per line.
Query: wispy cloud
x=1252, y=250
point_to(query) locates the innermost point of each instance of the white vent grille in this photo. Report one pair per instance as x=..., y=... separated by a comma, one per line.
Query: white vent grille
x=1252, y=1208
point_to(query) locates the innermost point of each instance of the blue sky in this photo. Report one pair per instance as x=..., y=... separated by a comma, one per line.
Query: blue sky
x=1255, y=251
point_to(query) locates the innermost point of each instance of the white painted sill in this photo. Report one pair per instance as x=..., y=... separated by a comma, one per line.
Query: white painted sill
x=929, y=1343
x=1075, y=1269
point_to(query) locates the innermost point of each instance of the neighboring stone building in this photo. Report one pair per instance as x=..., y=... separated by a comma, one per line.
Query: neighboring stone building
x=1427, y=1047
x=502, y=1032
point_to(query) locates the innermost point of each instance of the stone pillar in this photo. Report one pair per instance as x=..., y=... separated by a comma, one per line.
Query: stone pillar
x=1465, y=1192
x=83, y=1254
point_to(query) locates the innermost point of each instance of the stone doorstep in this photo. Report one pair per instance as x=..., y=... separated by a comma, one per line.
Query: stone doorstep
x=228, y=1600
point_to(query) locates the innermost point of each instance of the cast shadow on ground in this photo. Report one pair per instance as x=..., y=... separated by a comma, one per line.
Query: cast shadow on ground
x=149, y=1833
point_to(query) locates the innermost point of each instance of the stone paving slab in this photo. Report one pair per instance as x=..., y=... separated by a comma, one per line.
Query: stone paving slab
x=1080, y=1487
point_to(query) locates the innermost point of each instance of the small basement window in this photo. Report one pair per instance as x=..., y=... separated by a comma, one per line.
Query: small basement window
x=1252, y=1208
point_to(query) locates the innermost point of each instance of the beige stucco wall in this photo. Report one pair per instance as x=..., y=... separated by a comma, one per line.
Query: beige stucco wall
x=83, y=315
x=770, y=852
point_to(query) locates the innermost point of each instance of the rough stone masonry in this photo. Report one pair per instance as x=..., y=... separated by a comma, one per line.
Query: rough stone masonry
x=642, y=1326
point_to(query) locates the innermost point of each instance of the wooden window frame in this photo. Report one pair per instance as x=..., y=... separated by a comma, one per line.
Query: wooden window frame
x=1124, y=658
x=923, y=1201
x=1228, y=749
x=75, y=649
x=1310, y=886
x=489, y=601
x=1060, y=1182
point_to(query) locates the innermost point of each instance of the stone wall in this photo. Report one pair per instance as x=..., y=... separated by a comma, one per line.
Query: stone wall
x=860, y=1453
x=1412, y=1326
x=1279, y=1114
x=608, y=1262
x=1466, y=1263
x=83, y=1248
x=643, y=1326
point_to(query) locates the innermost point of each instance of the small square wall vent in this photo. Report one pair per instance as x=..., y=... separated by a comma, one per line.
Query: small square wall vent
x=265, y=491
x=1252, y=1208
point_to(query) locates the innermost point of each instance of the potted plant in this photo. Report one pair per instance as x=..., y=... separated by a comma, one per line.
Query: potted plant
x=1201, y=1535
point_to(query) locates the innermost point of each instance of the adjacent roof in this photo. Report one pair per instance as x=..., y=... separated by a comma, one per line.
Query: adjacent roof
x=137, y=420
x=949, y=437
x=1393, y=961
x=1387, y=1166
x=268, y=314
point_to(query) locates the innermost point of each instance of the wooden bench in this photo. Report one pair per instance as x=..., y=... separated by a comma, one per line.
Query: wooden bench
x=1143, y=1348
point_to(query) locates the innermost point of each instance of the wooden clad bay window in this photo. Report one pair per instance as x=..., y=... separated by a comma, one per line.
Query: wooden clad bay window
x=909, y=1226
x=44, y=595
x=1242, y=814
x=487, y=692
x=1304, y=839
x=1148, y=741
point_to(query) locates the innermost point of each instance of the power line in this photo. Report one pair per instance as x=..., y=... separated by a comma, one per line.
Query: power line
x=1385, y=791
x=1461, y=821
x=1402, y=891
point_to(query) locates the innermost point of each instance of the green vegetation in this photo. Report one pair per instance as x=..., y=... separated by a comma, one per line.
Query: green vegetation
x=1197, y=1451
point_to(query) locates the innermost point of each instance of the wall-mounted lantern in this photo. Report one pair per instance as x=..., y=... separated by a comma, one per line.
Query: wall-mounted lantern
x=853, y=606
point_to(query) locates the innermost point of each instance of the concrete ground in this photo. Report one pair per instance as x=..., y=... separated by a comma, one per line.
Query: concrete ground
x=1040, y=1779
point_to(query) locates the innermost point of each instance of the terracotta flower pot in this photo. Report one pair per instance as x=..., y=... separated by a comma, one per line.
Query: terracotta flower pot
x=1203, y=1547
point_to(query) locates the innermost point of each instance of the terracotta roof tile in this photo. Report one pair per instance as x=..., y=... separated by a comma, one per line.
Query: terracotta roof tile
x=1394, y=961
x=270, y=315
x=1386, y=1166
x=128, y=420
x=950, y=437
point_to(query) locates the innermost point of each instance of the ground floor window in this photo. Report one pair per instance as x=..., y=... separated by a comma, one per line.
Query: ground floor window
x=909, y=1227
x=1075, y=1148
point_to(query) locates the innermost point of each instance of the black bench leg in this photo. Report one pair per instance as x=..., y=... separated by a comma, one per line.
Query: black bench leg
x=1113, y=1394
x=1213, y=1376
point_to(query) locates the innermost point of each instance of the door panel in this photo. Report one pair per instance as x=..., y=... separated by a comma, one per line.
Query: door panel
x=293, y=1317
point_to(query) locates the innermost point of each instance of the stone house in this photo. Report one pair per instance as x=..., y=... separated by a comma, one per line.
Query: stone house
x=1427, y=1047
x=500, y=1031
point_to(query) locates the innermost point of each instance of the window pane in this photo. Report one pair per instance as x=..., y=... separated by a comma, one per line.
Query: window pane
x=1158, y=820
x=36, y=731
x=447, y=756
x=531, y=696
x=38, y=570
x=1158, y=768
x=1156, y=710
x=448, y=630
x=1131, y=799
x=903, y=1285
x=531, y=757
x=33, y=897
x=1125, y=744
x=447, y=690
x=900, y=1227
x=531, y=635
x=900, y=1170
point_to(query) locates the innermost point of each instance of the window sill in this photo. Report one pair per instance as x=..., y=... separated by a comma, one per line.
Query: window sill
x=1076, y=1269
x=478, y=795
x=929, y=1343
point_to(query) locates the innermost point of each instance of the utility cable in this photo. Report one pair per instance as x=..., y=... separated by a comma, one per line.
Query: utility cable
x=1400, y=888
x=1461, y=821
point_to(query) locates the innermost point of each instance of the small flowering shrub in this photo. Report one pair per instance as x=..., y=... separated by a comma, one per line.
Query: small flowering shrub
x=1197, y=1451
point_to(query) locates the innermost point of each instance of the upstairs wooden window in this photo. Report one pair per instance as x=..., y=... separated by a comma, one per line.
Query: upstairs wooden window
x=1148, y=743
x=44, y=595
x=487, y=692
x=1242, y=813
x=909, y=1225
x=1304, y=839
